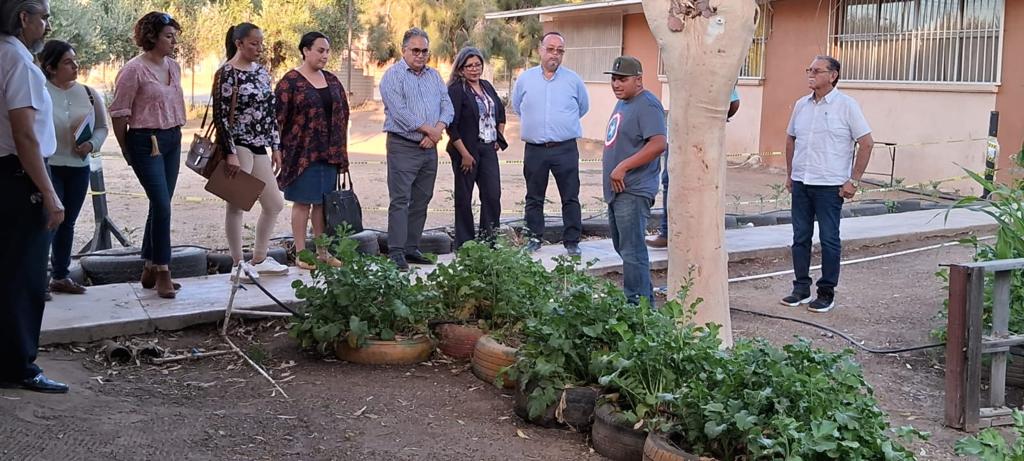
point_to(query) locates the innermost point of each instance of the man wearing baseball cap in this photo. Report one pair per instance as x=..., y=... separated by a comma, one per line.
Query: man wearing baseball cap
x=634, y=140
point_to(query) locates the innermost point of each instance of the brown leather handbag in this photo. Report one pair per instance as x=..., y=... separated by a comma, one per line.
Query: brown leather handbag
x=204, y=153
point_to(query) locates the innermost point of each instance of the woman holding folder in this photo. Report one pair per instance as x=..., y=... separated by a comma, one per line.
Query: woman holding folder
x=80, y=121
x=246, y=121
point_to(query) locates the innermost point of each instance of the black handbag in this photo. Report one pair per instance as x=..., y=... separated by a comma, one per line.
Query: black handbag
x=341, y=207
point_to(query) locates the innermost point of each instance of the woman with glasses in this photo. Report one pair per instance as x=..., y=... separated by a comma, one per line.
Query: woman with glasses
x=474, y=137
x=147, y=113
x=80, y=121
x=246, y=122
x=312, y=114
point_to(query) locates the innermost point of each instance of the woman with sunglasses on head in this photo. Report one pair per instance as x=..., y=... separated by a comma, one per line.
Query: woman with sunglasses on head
x=80, y=121
x=474, y=135
x=147, y=113
x=312, y=114
x=246, y=122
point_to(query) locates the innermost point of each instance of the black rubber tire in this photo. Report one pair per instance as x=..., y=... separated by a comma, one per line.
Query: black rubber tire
x=220, y=263
x=578, y=413
x=781, y=216
x=870, y=210
x=76, y=273
x=615, y=438
x=368, y=244
x=120, y=265
x=598, y=227
x=846, y=212
x=731, y=222
x=438, y=243
x=757, y=220
x=908, y=205
x=658, y=448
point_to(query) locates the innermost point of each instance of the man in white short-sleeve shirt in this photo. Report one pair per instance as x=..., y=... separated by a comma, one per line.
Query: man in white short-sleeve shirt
x=825, y=130
x=28, y=204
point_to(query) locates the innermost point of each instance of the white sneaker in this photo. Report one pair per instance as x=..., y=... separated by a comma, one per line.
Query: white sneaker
x=247, y=270
x=270, y=266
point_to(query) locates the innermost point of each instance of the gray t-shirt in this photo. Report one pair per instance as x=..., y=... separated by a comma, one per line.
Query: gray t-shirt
x=632, y=124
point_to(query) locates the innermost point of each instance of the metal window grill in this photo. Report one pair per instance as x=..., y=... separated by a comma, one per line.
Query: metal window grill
x=592, y=44
x=933, y=41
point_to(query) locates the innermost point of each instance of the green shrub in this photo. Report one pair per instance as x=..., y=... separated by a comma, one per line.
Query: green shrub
x=989, y=444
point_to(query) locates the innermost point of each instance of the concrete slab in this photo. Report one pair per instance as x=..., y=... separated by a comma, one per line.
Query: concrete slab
x=127, y=309
x=103, y=312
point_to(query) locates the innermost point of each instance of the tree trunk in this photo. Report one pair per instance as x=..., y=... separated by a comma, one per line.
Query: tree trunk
x=703, y=45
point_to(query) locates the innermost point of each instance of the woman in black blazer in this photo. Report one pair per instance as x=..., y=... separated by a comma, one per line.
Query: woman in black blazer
x=475, y=135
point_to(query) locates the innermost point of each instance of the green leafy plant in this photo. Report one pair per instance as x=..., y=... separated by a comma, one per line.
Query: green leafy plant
x=497, y=286
x=367, y=297
x=989, y=444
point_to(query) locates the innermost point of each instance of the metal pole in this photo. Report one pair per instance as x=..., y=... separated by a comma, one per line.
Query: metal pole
x=991, y=150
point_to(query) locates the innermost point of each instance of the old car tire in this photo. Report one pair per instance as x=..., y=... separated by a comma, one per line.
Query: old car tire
x=376, y=352
x=120, y=265
x=489, y=357
x=614, y=437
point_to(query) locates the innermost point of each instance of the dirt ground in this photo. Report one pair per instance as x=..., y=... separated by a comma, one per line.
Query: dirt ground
x=219, y=408
x=198, y=216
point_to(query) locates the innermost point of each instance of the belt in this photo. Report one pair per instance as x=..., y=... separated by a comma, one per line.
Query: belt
x=402, y=138
x=551, y=144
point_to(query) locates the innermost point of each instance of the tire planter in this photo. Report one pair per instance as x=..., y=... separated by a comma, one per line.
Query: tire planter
x=438, y=243
x=658, y=448
x=578, y=412
x=221, y=263
x=120, y=265
x=489, y=357
x=377, y=352
x=367, y=242
x=457, y=341
x=614, y=437
x=597, y=227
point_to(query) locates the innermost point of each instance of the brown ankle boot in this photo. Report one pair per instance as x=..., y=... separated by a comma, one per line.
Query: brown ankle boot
x=164, y=285
x=148, y=277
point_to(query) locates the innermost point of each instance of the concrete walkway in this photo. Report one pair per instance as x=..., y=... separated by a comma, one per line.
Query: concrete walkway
x=127, y=309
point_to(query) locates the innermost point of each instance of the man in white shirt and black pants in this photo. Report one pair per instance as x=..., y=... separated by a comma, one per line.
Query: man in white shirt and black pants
x=28, y=204
x=819, y=159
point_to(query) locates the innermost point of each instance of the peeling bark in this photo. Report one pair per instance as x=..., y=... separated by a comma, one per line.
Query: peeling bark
x=704, y=44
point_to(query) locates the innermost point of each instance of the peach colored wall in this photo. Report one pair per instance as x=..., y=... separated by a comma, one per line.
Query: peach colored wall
x=602, y=101
x=638, y=41
x=935, y=131
x=1010, y=100
x=743, y=132
x=799, y=31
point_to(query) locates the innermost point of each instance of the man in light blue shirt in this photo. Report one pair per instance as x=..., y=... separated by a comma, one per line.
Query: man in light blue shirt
x=550, y=101
x=416, y=111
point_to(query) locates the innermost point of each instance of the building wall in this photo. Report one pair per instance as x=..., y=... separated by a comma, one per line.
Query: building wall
x=1010, y=99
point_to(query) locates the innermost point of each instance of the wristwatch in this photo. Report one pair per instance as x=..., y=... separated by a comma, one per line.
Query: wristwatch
x=855, y=182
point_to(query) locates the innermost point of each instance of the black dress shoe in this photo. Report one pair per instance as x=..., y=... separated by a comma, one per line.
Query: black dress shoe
x=417, y=258
x=573, y=249
x=40, y=384
x=399, y=261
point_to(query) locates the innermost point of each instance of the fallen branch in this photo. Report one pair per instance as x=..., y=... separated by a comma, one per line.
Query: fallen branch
x=197, y=355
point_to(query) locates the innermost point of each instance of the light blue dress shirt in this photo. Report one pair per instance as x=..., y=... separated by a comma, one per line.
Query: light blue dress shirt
x=550, y=110
x=412, y=100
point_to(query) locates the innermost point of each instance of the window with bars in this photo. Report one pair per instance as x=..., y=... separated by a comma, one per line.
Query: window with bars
x=592, y=42
x=753, y=66
x=932, y=41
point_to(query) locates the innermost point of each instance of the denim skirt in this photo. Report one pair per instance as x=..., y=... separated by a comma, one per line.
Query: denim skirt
x=315, y=181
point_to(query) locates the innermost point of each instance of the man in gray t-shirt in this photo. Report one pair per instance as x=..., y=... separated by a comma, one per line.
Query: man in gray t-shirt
x=634, y=140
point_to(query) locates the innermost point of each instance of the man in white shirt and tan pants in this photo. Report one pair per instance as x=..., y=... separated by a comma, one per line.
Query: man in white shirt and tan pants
x=822, y=172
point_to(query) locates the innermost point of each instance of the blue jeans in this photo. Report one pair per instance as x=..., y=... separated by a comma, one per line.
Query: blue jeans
x=824, y=204
x=663, y=229
x=627, y=218
x=158, y=176
x=71, y=184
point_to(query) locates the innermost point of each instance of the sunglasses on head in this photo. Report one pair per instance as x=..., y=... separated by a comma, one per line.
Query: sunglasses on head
x=165, y=19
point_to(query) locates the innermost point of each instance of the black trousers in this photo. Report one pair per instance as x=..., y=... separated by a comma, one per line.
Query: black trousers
x=487, y=176
x=563, y=162
x=24, y=247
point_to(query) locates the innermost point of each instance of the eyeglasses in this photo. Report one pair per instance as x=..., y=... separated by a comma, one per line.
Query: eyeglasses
x=555, y=50
x=419, y=51
x=473, y=66
x=813, y=71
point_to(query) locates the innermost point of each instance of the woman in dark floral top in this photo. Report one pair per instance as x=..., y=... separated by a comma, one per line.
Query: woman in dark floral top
x=246, y=122
x=312, y=112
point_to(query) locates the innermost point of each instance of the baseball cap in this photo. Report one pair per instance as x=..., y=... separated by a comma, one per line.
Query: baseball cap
x=626, y=66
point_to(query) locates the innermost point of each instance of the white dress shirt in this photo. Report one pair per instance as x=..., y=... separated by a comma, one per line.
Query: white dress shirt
x=22, y=84
x=825, y=133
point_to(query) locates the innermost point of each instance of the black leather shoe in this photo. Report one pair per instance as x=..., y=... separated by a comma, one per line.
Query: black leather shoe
x=40, y=384
x=417, y=258
x=399, y=260
x=573, y=249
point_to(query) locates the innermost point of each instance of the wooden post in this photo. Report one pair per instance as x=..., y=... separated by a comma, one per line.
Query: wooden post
x=703, y=46
x=956, y=348
x=975, y=309
x=1000, y=329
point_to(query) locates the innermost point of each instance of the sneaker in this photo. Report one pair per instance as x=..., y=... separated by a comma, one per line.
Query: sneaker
x=66, y=286
x=269, y=266
x=825, y=301
x=532, y=246
x=658, y=241
x=573, y=249
x=398, y=257
x=247, y=270
x=795, y=299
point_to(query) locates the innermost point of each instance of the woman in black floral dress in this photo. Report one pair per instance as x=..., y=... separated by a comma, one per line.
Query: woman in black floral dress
x=246, y=121
x=312, y=112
